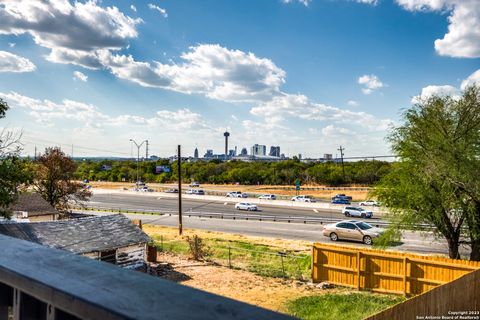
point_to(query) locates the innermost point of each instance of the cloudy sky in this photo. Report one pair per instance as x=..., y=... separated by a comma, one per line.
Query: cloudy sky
x=308, y=75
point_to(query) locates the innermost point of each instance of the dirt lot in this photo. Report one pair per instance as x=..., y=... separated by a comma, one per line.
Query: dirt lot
x=356, y=194
x=270, y=293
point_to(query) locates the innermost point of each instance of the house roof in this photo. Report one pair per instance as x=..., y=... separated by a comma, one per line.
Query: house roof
x=34, y=204
x=99, y=233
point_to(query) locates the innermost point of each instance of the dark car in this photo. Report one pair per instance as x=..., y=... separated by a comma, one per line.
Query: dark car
x=340, y=200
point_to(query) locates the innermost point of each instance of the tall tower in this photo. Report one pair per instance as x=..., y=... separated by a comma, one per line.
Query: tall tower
x=226, y=134
x=195, y=153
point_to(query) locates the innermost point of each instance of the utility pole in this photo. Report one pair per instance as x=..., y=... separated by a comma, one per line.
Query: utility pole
x=146, y=150
x=343, y=166
x=72, y=150
x=179, y=162
x=35, y=156
x=138, y=155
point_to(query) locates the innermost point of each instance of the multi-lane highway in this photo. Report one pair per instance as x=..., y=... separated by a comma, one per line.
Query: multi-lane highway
x=411, y=241
x=168, y=204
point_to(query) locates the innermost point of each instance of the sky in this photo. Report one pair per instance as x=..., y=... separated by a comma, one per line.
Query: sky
x=306, y=75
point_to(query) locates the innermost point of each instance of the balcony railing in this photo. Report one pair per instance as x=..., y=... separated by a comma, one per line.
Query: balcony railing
x=37, y=282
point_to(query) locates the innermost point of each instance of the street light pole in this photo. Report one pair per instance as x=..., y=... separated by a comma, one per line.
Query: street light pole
x=138, y=155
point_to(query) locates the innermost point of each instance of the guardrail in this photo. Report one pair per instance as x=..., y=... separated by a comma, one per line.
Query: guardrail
x=250, y=216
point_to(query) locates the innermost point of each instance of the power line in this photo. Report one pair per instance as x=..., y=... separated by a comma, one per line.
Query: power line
x=37, y=140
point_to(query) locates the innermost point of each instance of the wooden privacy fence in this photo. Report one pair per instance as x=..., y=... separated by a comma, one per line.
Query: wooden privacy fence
x=384, y=271
x=448, y=301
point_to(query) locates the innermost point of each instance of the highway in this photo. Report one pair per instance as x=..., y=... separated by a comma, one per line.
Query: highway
x=166, y=204
x=411, y=241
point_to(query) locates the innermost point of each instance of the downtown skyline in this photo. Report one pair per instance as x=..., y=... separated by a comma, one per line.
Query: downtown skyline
x=306, y=75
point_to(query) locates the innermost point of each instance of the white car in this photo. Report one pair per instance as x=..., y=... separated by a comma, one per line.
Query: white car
x=303, y=199
x=194, y=184
x=268, y=197
x=237, y=194
x=370, y=203
x=246, y=206
x=357, y=212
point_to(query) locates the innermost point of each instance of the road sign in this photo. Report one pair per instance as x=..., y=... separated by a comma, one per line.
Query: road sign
x=298, y=183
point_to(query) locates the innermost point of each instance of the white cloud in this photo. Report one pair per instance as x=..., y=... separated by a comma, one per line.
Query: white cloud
x=48, y=112
x=304, y=2
x=372, y=2
x=332, y=131
x=10, y=62
x=162, y=11
x=74, y=33
x=370, y=83
x=463, y=36
x=11, y=44
x=433, y=90
x=300, y=106
x=80, y=76
x=447, y=90
x=352, y=103
x=474, y=78
x=212, y=70
x=133, y=8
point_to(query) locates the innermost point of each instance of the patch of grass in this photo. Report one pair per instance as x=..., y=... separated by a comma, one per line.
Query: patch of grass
x=340, y=306
x=257, y=258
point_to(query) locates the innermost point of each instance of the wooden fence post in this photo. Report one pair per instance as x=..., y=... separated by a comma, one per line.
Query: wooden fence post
x=405, y=276
x=358, y=270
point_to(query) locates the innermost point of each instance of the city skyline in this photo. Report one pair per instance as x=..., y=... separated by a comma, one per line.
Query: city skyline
x=304, y=75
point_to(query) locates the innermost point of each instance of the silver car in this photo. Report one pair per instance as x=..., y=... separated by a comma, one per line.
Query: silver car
x=352, y=230
x=246, y=206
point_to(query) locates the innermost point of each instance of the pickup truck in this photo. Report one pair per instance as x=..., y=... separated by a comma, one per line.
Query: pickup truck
x=236, y=194
x=303, y=199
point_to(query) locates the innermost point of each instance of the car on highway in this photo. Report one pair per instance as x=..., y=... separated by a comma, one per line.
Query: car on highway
x=194, y=184
x=357, y=212
x=336, y=200
x=343, y=195
x=373, y=203
x=198, y=192
x=246, y=206
x=237, y=194
x=352, y=230
x=303, y=199
x=268, y=197
x=173, y=190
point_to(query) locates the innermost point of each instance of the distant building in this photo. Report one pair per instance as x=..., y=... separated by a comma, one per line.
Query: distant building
x=231, y=153
x=327, y=157
x=209, y=154
x=258, y=150
x=274, y=151
x=195, y=153
x=106, y=167
x=244, y=152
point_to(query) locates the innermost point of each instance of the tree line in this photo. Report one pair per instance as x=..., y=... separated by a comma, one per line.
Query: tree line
x=247, y=173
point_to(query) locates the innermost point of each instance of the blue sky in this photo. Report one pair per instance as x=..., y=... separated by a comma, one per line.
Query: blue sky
x=306, y=75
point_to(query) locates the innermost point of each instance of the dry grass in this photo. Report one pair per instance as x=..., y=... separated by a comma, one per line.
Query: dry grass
x=269, y=293
x=357, y=195
x=172, y=233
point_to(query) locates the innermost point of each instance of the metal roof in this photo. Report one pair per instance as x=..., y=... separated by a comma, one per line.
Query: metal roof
x=82, y=235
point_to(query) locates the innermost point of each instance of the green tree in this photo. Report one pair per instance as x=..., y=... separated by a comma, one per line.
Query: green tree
x=12, y=169
x=437, y=178
x=53, y=180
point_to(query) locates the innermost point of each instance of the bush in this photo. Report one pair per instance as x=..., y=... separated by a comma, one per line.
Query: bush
x=198, y=250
